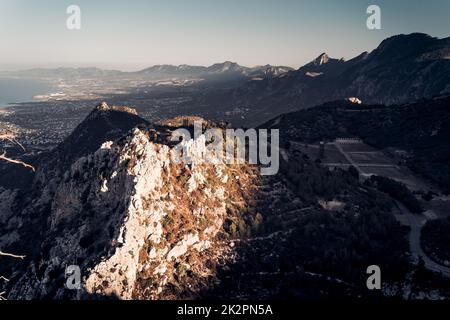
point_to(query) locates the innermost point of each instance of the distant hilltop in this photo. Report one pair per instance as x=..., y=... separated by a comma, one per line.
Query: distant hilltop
x=104, y=106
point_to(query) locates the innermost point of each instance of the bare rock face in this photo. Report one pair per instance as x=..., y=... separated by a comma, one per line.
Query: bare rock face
x=354, y=100
x=321, y=60
x=156, y=197
x=139, y=224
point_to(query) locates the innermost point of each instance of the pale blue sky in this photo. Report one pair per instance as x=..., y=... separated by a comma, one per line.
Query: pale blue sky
x=134, y=34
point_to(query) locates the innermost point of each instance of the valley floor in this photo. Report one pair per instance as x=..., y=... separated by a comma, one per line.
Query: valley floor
x=343, y=153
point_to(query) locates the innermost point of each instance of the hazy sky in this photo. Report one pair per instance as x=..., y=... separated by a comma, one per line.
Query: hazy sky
x=134, y=34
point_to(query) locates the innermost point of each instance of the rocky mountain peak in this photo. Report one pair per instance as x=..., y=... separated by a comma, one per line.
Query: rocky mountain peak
x=102, y=124
x=136, y=220
x=226, y=66
x=321, y=59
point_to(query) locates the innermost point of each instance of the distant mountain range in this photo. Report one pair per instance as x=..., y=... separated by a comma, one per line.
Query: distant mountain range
x=226, y=70
x=402, y=69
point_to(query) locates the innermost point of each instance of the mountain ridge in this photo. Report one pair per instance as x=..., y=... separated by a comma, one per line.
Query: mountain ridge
x=387, y=75
x=420, y=129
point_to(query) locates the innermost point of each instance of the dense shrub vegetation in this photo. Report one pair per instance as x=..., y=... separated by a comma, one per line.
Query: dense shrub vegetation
x=398, y=191
x=436, y=239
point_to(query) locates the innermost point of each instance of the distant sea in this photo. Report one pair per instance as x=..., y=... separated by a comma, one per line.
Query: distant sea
x=21, y=90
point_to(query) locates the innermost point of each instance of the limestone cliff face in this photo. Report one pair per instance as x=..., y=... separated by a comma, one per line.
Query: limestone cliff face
x=139, y=224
